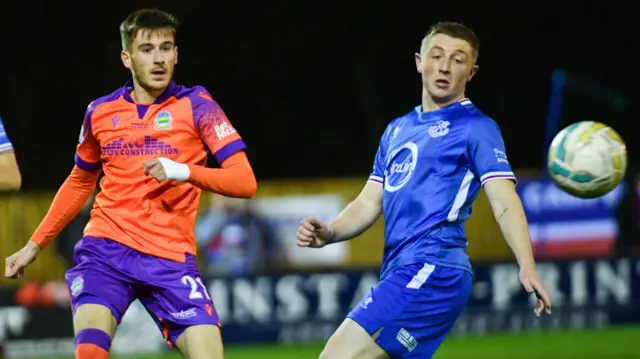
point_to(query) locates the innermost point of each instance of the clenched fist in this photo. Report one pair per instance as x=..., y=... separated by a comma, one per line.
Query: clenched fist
x=162, y=169
x=16, y=263
x=313, y=233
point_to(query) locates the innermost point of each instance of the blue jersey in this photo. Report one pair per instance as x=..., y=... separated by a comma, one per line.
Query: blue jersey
x=432, y=166
x=5, y=144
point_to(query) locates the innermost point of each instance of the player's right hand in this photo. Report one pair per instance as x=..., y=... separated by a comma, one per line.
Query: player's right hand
x=16, y=263
x=313, y=233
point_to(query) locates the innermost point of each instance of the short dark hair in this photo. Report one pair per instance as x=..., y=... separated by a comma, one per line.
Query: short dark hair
x=455, y=30
x=149, y=20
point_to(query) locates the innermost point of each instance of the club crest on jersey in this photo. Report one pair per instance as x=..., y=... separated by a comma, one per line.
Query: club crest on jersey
x=163, y=121
x=440, y=129
x=77, y=285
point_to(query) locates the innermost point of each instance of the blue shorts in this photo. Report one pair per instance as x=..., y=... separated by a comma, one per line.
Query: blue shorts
x=414, y=307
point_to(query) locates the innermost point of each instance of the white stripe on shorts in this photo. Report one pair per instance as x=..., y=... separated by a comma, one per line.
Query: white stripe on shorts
x=422, y=276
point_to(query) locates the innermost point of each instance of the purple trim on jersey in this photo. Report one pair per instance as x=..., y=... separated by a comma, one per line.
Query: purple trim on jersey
x=200, y=106
x=229, y=149
x=88, y=127
x=142, y=110
x=84, y=165
x=88, y=117
x=376, y=179
x=128, y=87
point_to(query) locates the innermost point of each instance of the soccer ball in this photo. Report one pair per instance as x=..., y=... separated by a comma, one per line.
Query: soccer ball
x=587, y=159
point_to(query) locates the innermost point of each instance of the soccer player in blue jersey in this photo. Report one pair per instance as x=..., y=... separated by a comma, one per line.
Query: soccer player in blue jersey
x=430, y=166
x=10, y=178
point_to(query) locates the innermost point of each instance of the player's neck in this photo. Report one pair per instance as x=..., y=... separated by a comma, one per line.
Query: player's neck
x=429, y=104
x=142, y=95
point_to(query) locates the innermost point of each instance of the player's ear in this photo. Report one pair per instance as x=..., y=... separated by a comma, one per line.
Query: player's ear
x=418, y=62
x=126, y=59
x=473, y=72
x=175, y=49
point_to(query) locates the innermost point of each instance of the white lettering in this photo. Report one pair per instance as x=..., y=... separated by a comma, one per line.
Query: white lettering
x=579, y=289
x=293, y=304
x=328, y=287
x=551, y=278
x=223, y=130
x=251, y=300
x=505, y=284
x=12, y=321
x=613, y=283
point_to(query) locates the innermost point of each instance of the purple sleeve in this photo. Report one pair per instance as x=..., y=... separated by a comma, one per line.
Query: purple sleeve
x=88, y=150
x=219, y=136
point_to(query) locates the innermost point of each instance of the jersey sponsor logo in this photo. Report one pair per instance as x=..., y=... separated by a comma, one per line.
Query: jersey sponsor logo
x=440, y=129
x=501, y=156
x=402, y=163
x=224, y=130
x=406, y=339
x=185, y=314
x=366, y=302
x=163, y=121
x=139, y=146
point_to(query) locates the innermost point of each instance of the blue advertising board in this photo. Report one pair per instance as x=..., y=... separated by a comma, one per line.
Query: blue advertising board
x=564, y=226
x=298, y=308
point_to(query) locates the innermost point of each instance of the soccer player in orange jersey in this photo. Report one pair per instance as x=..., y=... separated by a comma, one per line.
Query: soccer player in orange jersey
x=150, y=138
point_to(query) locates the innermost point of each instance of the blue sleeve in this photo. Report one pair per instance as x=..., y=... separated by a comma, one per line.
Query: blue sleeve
x=379, y=164
x=487, y=152
x=5, y=144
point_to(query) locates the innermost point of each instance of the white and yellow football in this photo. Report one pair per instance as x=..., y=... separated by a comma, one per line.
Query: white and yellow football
x=587, y=159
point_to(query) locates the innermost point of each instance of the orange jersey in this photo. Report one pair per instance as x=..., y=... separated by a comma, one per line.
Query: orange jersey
x=118, y=135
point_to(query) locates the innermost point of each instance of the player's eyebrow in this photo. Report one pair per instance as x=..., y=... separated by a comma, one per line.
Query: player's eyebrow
x=458, y=51
x=145, y=44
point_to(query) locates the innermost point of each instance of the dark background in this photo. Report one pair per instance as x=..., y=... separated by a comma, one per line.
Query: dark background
x=311, y=85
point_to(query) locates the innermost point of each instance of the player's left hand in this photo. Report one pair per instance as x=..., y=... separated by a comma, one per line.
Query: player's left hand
x=532, y=283
x=162, y=169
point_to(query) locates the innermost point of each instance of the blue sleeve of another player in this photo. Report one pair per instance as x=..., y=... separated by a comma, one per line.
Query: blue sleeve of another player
x=487, y=152
x=5, y=144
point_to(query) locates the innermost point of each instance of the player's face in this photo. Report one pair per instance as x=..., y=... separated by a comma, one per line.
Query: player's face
x=446, y=65
x=152, y=59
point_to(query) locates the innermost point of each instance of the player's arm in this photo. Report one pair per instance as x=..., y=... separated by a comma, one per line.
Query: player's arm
x=67, y=203
x=235, y=178
x=362, y=212
x=489, y=163
x=509, y=213
x=355, y=218
x=76, y=189
x=10, y=178
x=358, y=215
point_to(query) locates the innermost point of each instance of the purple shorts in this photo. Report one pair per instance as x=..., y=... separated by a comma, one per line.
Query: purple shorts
x=113, y=275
